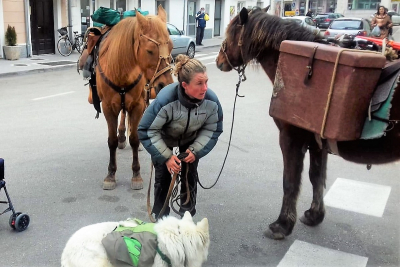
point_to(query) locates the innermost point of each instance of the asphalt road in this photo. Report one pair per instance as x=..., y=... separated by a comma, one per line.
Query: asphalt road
x=56, y=157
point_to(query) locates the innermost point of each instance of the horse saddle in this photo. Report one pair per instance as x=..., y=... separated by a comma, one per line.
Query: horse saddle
x=385, y=83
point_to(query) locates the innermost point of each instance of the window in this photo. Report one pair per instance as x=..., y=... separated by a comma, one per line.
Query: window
x=260, y=4
x=173, y=30
x=346, y=25
x=363, y=4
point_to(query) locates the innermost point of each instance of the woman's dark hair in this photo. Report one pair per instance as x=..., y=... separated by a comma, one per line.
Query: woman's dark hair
x=384, y=8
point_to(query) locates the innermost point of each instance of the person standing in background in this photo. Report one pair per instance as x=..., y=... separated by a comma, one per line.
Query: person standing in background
x=200, y=25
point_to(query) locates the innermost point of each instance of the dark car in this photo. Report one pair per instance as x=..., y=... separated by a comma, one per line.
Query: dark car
x=323, y=20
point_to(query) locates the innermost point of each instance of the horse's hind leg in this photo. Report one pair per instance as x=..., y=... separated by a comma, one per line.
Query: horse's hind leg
x=121, y=131
x=134, y=117
x=318, y=162
x=293, y=142
x=112, y=123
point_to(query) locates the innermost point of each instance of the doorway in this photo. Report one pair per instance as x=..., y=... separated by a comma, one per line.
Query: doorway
x=217, y=18
x=42, y=26
x=191, y=11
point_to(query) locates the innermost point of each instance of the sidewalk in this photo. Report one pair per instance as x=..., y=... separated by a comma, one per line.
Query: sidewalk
x=51, y=62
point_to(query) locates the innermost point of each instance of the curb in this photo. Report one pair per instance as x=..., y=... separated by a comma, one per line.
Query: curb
x=32, y=71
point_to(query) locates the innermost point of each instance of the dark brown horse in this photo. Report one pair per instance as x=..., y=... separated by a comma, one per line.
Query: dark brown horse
x=257, y=35
x=136, y=54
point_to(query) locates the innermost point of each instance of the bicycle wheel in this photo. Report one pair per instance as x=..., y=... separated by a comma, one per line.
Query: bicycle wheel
x=79, y=44
x=64, y=46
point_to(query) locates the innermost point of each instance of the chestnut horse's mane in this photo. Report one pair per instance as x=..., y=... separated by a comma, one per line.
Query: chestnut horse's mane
x=266, y=32
x=117, y=50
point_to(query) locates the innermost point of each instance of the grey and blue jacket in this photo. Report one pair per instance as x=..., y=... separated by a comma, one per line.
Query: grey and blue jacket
x=173, y=120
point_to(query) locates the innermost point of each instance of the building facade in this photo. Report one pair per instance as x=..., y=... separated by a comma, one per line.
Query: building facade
x=37, y=21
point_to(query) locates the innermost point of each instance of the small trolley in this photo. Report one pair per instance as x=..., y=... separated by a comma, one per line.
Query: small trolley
x=18, y=220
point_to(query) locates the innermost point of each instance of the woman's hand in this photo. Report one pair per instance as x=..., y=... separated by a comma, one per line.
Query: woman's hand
x=190, y=157
x=173, y=164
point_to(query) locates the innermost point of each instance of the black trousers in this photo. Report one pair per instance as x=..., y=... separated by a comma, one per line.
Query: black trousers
x=161, y=185
x=199, y=35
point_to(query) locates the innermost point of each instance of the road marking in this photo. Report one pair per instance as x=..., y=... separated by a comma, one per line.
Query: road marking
x=302, y=254
x=50, y=96
x=204, y=58
x=361, y=197
x=210, y=63
x=199, y=55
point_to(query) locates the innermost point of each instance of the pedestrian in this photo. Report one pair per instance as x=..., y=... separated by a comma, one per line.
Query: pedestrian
x=309, y=13
x=200, y=25
x=188, y=115
x=382, y=20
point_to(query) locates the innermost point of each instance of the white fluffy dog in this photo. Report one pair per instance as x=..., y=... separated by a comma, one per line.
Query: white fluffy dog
x=182, y=241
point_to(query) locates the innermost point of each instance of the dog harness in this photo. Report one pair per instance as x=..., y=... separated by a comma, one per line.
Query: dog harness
x=133, y=246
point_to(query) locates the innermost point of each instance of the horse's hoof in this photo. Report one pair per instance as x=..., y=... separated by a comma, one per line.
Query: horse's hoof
x=137, y=183
x=121, y=145
x=309, y=220
x=277, y=236
x=109, y=184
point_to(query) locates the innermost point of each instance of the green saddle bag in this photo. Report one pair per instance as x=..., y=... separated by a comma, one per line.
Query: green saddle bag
x=107, y=16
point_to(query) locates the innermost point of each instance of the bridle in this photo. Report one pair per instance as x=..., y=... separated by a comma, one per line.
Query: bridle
x=240, y=69
x=163, y=55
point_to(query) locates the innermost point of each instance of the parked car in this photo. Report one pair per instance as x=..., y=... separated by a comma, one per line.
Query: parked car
x=304, y=21
x=323, y=20
x=351, y=26
x=182, y=44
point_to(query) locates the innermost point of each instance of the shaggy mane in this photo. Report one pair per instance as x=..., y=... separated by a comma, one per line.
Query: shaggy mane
x=266, y=32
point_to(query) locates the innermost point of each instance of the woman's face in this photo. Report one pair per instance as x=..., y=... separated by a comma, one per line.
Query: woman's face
x=381, y=10
x=197, y=87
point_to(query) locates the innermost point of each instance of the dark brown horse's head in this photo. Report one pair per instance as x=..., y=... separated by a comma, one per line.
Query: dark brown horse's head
x=231, y=52
x=153, y=48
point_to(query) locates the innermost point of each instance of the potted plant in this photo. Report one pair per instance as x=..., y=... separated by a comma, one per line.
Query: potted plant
x=11, y=49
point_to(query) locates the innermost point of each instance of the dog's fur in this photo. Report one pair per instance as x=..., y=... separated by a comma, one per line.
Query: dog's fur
x=182, y=241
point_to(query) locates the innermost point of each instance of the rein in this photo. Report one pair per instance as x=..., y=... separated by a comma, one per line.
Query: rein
x=164, y=54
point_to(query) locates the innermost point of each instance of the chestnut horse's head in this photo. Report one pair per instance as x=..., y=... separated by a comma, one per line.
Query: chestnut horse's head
x=231, y=53
x=153, y=48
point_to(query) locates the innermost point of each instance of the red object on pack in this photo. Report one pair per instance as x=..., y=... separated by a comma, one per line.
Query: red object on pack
x=395, y=45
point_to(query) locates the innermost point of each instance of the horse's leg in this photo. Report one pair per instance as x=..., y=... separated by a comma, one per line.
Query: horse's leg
x=121, y=131
x=112, y=123
x=293, y=142
x=318, y=162
x=134, y=117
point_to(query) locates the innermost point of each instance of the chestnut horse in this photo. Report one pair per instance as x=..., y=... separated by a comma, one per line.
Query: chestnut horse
x=257, y=36
x=135, y=55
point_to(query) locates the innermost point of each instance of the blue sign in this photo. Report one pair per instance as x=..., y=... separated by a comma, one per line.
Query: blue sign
x=293, y=4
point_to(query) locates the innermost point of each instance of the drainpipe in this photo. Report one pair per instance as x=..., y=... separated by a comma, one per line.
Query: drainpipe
x=27, y=29
x=70, y=33
x=183, y=19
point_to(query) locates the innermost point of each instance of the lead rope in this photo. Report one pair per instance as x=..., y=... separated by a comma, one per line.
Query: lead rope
x=242, y=78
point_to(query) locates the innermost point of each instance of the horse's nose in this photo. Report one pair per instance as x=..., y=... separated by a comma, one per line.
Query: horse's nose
x=220, y=66
x=160, y=86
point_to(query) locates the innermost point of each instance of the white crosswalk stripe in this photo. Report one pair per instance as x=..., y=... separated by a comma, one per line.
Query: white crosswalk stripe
x=303, y=254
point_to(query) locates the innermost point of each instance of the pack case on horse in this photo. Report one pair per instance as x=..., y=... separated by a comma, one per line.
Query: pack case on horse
x=131, y=63
x=258, y=36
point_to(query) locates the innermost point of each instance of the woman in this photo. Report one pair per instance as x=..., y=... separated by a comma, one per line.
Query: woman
x=185, y=114
x=383, y=21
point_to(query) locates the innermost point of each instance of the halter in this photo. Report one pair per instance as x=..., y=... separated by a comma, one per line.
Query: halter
x=164, y=54
x=240, y=69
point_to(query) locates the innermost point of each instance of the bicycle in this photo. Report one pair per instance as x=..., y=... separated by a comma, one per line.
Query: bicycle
x=64, y=44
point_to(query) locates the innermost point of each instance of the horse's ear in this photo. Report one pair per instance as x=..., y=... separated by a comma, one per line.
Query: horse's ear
x=244, y=15
x=141, y=20
x=265, y=9
x=162, y=14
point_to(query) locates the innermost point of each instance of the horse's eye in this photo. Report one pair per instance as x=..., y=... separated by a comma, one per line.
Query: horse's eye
x=149, y=52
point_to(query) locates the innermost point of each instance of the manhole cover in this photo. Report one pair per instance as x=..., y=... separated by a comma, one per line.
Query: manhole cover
x=57, y=63
x=20, y=65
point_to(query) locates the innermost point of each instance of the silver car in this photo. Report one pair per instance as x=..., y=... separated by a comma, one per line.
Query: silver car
x=182, y=44
x=350, y=26
x=304, y=21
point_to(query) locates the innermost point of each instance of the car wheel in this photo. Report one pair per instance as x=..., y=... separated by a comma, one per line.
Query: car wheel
x=191, y=51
